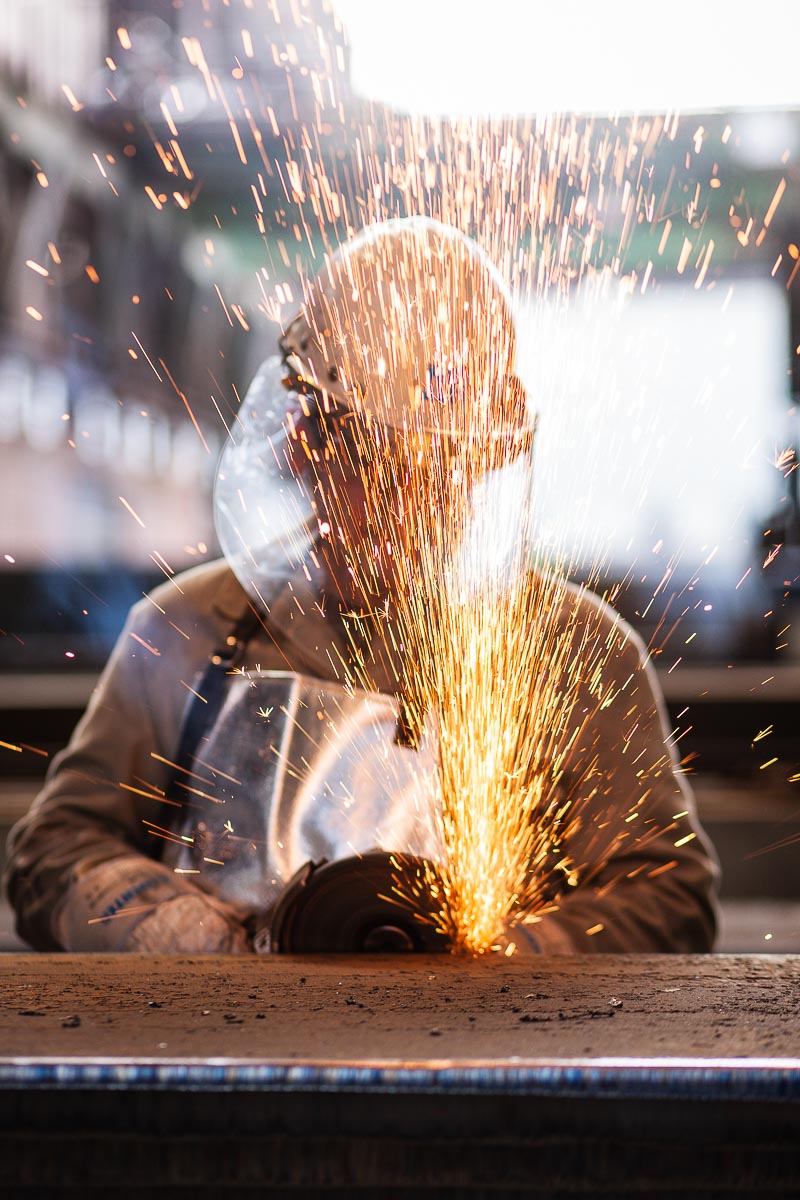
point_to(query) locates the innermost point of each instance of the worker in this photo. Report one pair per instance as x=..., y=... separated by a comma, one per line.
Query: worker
x=243, y=725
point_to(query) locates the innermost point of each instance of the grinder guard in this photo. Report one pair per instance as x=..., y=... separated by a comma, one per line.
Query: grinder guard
x=358, y=905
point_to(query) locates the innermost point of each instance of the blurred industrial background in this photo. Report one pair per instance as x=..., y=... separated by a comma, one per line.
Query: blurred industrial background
x=144, y=255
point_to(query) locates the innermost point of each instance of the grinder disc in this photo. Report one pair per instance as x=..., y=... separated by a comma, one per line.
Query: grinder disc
x=351, y=907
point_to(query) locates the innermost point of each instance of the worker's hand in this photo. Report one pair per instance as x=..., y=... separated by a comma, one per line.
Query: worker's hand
x=132, y=903
x=196, y=924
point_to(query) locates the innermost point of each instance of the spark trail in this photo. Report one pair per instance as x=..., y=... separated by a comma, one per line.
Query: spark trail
x=454, y=596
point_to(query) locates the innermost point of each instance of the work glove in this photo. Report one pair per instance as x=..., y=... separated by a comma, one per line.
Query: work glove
x=134, y=904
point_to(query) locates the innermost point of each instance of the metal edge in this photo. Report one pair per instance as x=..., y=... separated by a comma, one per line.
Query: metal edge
x=654, y=1079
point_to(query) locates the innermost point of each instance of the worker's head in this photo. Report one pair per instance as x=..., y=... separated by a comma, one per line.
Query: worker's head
x=399, y=393
x=409, y=324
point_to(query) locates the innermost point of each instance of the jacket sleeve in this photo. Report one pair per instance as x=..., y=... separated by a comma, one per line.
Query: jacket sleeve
x=109, y=781
x=644, y=877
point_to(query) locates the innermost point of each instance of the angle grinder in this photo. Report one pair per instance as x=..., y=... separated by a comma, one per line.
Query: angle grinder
x=358, y=905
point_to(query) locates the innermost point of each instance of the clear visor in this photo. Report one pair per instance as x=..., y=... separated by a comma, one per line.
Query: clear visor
x=302, y=468
x=264, y=502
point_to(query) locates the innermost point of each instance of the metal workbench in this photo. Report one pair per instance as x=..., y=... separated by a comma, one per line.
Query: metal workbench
x=606, y=1076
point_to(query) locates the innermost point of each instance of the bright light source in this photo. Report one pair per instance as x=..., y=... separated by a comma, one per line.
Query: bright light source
x=466, y=57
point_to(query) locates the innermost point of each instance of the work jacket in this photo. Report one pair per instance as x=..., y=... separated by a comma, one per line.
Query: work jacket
x=644, y=877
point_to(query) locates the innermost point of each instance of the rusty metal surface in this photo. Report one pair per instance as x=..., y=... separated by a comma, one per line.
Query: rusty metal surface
x=398, y=1009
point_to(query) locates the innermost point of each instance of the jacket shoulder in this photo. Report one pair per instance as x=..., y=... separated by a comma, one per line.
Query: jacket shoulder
x=595, y=613
x=200, y=604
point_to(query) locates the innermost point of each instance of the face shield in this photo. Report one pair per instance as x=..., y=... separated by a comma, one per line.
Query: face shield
x=308, y=488
x=293, y=479
x=265, y=508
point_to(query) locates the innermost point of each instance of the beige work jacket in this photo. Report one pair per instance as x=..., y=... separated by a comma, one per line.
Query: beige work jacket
x=647, y=878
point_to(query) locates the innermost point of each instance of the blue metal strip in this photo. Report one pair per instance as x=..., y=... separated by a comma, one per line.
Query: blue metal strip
x=733, y=1080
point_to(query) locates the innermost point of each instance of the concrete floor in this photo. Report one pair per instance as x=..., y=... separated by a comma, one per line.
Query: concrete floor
x=759, y=926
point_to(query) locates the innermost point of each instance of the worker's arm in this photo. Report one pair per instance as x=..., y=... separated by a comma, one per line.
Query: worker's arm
x=82, y=870
x=645, y=875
